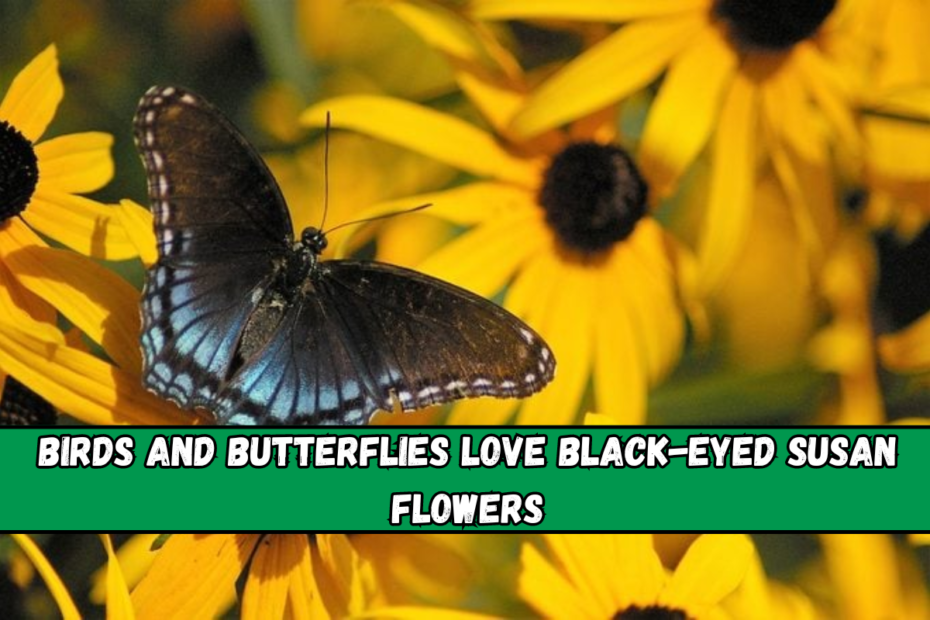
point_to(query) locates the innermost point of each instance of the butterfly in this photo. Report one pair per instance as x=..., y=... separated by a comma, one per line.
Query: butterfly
x=241, y=318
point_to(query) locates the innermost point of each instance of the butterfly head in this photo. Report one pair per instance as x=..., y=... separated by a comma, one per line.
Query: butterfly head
x=314, y=239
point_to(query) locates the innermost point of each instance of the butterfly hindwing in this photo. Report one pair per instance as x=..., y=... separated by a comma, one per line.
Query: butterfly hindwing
x=368, y=333
x=428, y=342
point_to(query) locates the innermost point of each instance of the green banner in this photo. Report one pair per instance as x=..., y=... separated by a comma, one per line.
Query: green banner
x=465, y=478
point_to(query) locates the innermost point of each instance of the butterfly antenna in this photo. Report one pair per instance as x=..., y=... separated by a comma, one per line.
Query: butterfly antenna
x=325, y=171
x=379, y=217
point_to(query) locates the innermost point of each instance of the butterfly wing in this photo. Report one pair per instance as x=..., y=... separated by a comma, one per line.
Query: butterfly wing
x=367, y=333
x=222, y=228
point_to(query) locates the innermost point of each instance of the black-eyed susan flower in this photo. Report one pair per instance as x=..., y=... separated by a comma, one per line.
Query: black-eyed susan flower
x=753, y=81
x=40, y=187
x=285, y=575
x=621, y=576
x=561, y=222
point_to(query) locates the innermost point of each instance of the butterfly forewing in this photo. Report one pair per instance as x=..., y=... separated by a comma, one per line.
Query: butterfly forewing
x=217, y=238
x=240, y=320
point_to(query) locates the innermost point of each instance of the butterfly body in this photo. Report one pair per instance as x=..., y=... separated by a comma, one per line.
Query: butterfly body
x=243, y=320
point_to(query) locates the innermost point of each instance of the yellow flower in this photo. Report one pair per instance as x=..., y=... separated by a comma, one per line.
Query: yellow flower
x=195, y=575
x=752, y=81
x=40, y=183
x=620, y=576
x=562, y=221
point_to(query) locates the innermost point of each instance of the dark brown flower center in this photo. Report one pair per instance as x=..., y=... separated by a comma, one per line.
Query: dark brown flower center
x=20, y=406
x=19, y=171
x=653, y=612
x=593, y=196
x=772, y=25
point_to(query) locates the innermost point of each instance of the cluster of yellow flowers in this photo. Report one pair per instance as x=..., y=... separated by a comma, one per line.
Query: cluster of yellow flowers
x=680, y=175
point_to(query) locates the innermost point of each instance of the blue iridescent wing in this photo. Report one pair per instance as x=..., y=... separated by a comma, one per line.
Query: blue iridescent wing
x=369, y=334
x=221, y=227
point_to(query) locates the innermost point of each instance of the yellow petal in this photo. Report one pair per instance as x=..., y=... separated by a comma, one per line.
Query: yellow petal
x=533, y=287
x=95, y=299
x=912, y=101
x=119, y=606
x=825, y=86
x=620, y=383
x=80, y=384
x=301, y=589
x=639, y=576
x=412, y=239
x=590, y=10
x=265, y=592
x=585, y=560
x=22, y=308
x=445, y=32
x=60, y=593
x=135, y=557
x=465, y=206
x=909, y=349
x=548, y=591
x=685, y=111
x=78, y=162
x=136, y=220
x=651, y=297
x=484, y=69
x=350, y=576
x=194, y=576
x=426, y=131
x=614, y=68
x=485, y=258
x=83, y=225
x=726, y=222
x=34, y=95
x=713, y=567
x=809, y=187
x=788, y=113
x=567, y=325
